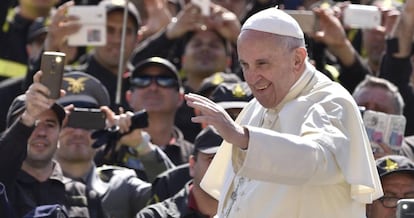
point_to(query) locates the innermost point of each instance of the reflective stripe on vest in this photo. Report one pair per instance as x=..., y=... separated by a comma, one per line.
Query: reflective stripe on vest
x=12, y=69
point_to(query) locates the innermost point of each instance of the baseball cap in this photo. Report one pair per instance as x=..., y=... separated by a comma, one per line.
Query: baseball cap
x=207, y=141
x=155, y=61
x=232, y=95
x=210, y=83
x=19, y=105
x=113, y=5
x=37, y=28
x=394, y=163
x=83, y=90
x=275, y=21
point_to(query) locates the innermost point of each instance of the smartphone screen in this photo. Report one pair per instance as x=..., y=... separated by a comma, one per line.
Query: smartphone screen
x=52, y=67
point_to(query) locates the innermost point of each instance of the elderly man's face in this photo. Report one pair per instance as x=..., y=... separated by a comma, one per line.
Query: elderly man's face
x=268, y=69
x=376, y=99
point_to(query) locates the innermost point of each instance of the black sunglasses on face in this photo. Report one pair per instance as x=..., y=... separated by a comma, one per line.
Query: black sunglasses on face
x=162, y=81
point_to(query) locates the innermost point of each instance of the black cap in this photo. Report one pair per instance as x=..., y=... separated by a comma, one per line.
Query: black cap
x=19, y=105
x=232, y=95
x=155, y=61
x=394, y=163
x=210, y=83
x=207, y=141
x=113, y=5
x=83, y=90
x=37, y=28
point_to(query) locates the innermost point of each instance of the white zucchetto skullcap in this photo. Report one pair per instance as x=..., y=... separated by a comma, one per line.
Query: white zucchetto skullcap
x=273, y=20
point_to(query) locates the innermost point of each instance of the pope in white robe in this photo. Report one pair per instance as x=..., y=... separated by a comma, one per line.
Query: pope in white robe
x=299, y=149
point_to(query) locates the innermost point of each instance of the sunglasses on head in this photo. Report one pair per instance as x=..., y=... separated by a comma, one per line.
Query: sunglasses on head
x=143, y=81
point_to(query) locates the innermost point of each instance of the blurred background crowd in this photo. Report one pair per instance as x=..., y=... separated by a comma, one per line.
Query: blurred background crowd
x=170, y=48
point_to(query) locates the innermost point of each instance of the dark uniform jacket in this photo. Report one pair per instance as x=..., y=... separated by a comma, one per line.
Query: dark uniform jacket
x=182, y=205
x=121, y=192
x=168, y=183
x=179, y=149
x=25, y=192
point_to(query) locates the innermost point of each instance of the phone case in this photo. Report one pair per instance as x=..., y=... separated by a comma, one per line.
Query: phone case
x=52, y=66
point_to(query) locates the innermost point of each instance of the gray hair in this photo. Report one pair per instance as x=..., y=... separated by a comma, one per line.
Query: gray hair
x=372, y=81
x=289, y=43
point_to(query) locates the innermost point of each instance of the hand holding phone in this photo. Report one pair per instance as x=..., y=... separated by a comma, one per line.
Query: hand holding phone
x=52, y=67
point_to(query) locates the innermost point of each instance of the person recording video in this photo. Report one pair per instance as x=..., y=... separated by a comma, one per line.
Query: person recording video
x=122, y=193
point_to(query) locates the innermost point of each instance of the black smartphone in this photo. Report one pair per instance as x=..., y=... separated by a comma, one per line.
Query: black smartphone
x=52, y=66
x=139, y=120
x=405, y=208
x=87, y=118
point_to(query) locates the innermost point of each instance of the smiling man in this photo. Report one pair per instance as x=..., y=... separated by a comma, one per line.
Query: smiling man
x=298, y=149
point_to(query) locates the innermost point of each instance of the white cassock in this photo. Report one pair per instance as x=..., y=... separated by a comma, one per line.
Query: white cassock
x=308, y=158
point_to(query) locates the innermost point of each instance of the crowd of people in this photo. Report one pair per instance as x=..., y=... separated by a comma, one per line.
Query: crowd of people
x=233, y=113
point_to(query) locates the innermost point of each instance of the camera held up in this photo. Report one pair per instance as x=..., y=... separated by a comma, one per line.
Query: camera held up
x=109, y=137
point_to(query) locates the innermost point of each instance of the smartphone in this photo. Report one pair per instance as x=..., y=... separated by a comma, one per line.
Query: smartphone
x=362, y=16
x=87, y=118
x=307, y=20
x=52, y=65
x=405, y=208
x=139, y=120
x=204, y=6
x=93, y=29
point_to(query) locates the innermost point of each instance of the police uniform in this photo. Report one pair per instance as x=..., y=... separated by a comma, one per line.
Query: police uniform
x=183, y=203
x=26, y=193
x=180, y=205
x=121, y=192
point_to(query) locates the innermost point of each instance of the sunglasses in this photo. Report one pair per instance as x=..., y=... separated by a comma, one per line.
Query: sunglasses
x=161, y=81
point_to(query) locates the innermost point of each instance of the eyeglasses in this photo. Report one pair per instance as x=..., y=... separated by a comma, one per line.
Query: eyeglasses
x=390, y=202
x=162, y=81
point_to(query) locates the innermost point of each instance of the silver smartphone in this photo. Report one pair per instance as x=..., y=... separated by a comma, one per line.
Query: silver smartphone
x=362, y=16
